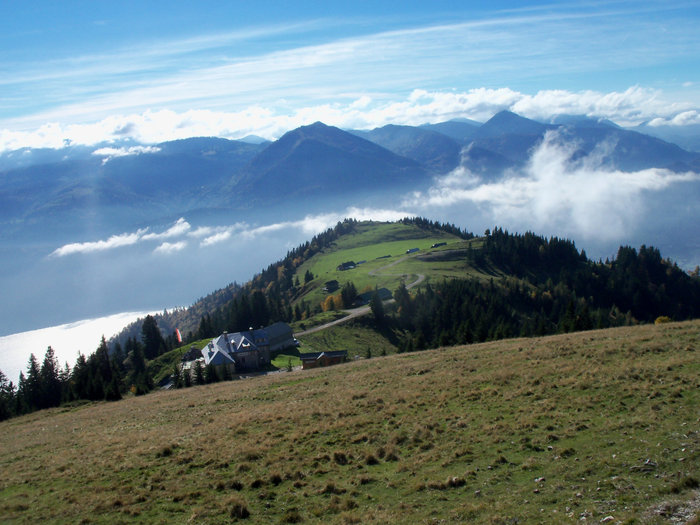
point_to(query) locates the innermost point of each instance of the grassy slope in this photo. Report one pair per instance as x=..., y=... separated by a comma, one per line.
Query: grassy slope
x=367, y=243
x=357, y=337
x=162, y=366
x=457, y=434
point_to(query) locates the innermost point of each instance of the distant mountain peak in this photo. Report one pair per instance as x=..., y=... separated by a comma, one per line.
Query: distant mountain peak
x=506, y=122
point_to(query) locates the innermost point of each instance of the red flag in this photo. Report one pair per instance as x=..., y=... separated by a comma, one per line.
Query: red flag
x=179, y=337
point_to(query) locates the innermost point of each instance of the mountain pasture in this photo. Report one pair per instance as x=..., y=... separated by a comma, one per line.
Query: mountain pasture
x=588, y=425
x=381, y=246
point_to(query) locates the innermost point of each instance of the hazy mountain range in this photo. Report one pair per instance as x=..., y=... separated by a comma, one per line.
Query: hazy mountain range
x=74, y=222
x=116, y=182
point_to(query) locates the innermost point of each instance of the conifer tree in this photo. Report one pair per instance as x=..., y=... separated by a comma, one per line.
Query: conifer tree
x=377, y=307
x=50, y=381
x=32, y=388
x=198, y=373
x=177, y=377
x=7, y=397
x=210, y=375
x=152, y=339
x=20, y=397
x=80, y=378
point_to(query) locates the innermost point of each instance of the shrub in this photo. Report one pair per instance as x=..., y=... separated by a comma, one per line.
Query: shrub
x=292, y=516
x=275, y=478
x=331, y=488
x=371, y=459
x=238, y=508
x=662, y=319
x=340, y=458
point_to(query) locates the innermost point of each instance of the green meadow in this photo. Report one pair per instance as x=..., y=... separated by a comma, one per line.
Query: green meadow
x=382, y=247
x=591, y=427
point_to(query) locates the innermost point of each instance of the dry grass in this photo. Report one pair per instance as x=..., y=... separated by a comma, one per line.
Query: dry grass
x=587, y=425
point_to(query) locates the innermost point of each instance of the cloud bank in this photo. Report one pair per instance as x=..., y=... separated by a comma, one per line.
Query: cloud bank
x=580, y=198
x=179, y=228
x=110, y=153
x=630, y=107
x=208, y=236
x=294, y=67
x=66, y=340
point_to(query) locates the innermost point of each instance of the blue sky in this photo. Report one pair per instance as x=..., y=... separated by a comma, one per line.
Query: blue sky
x=84, y=72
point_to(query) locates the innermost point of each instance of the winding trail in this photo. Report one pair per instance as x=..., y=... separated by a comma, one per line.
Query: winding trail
x=364, y=310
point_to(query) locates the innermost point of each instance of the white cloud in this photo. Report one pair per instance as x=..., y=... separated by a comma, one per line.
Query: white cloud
x=110, y=153
x=256, y=81
x=309, y=225
x=630, y=107
x=171, y=247
x=684, y=118
x=66, y=340
x=115, y=241
x=584, y=198
x=178, y=229
x=217, y=238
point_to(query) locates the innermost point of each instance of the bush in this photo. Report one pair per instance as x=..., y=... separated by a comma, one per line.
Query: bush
x=292, y=516
x=238, y=508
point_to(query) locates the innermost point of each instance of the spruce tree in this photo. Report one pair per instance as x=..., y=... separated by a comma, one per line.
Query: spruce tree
x=210, y=375
x=152, y=339
x=198, y=373
x=32, y=388
x=375, y=304
x=177, y=377
x=80, y=378
x=7, y=397
x=50, y=381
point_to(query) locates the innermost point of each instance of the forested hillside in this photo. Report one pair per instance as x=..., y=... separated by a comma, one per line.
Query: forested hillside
x=493, y=287
x=544, y=286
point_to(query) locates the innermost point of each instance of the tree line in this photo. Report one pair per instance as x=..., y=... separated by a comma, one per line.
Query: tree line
x=547, y=286
x=103, y=375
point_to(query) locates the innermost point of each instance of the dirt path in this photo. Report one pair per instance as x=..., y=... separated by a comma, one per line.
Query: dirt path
x=364, y=310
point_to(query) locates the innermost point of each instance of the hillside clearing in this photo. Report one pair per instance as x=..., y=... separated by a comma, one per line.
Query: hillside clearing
x=586, y=425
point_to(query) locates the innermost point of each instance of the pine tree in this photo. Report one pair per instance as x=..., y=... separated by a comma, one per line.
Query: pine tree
x=80, y=378
x=102, y=361
x=177, y=376
x=140, y=381
x=198, y=373
x=64, y=376
x=210, y=375
x=152, y=339
x=20, y=397
x=111, y=391
x=348, y=294
x=7, y=397
x=375, y=304
x=50, y=381
x=32, y=387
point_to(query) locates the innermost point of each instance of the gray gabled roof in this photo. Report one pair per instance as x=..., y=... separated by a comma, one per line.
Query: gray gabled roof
x=221, y=358
x=278, y=330
x=242, y=342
